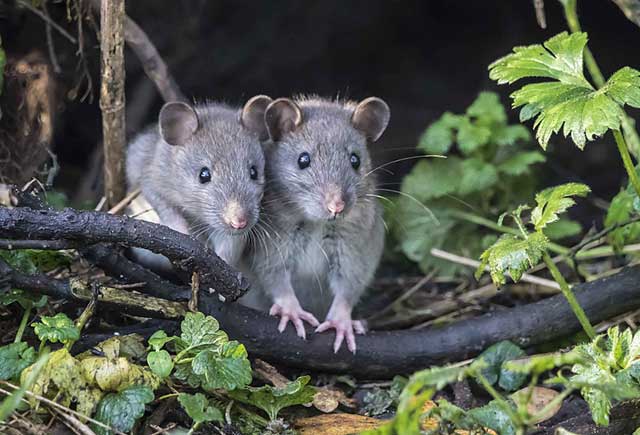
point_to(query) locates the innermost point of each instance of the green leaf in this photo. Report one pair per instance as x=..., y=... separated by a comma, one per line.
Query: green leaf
x=562, y=229
x=554, y=201
x=510, y=135
x=200, y=330
x=433, y=179
x=121, y=410
x=26, y=300
x=34, y=261
x=198, y=408
x=159, y=339
x=569, y=102
x=58, y=328
x=477, y=176
x=439, y=136
x=487, y=109
x=495, y=372
x=619, y=212
x=494, y=417
x=472, y=136
x=520, y=163
x=542, y=363
x=160, y=363
x=512, y=255
x=229, y=370
x=14, y=358
x=272, y=399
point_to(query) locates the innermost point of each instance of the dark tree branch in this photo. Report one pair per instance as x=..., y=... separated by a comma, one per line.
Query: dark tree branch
x=95, y=227
x=153, y=65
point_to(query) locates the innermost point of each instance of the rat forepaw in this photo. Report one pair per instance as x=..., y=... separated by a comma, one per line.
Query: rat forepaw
x=293, y=312
x=345, y=328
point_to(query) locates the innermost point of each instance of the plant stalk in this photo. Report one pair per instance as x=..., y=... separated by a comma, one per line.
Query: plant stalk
x=568, y=294
x=23, y=325
x=626, y=160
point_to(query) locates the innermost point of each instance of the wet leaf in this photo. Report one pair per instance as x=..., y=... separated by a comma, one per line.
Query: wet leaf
x=495, y=356
x=121, y=410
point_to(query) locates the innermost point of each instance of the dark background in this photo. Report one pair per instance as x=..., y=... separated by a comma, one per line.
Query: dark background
x=422, y=57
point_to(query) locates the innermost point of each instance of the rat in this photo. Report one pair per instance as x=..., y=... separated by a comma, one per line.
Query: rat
x=326, y=226
x=201, y=168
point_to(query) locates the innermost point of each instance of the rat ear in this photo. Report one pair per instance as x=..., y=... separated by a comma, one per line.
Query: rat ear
x=371, y=117
x=252, y=116
x=282, y=116
x=178, y=122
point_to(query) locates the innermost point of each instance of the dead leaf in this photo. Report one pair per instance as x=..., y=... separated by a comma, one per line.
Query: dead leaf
x=336, y=424
x=540, y=398
x=327, y=399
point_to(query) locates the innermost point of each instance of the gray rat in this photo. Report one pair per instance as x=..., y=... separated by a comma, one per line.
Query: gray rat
x=202, y=170
x=325, y=223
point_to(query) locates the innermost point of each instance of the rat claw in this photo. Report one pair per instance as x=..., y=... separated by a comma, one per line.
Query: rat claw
x=344, y=329
x=338, y=342
x=295, y=314
x=359, y=327
x=283, y=323
x=302, y=333
x=310, y=318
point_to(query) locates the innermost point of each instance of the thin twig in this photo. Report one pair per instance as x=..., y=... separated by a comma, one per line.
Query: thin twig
x=473, y=263
x=583, y=244
x=116, y=209
x=46, y=18
x=50, y=43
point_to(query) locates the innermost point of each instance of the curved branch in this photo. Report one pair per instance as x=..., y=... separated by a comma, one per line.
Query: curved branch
x=95, y=227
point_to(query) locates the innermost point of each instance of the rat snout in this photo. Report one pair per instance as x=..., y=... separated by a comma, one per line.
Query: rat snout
x=235, y=215
x=334, y=200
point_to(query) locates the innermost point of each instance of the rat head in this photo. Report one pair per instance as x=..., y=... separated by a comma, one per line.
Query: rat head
x=218, y=162
x=319, y=157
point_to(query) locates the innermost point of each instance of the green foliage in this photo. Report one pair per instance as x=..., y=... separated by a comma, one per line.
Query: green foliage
x=495, y=358
x=14, y=358
x=58, y=328
x=379, y=400
x=624, y=206
x=35, y=261
x=487, y=170
x=12, y=402
x=205, y=357
x=198, y=408
x=272, y=399
x=568, y=102
x=121, y=410
x=512, y=254
x=26, y=300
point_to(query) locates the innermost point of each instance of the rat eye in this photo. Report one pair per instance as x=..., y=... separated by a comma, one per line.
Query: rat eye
x=205, y=175
x=355, y=161
x=304, y=160
x=253, y=173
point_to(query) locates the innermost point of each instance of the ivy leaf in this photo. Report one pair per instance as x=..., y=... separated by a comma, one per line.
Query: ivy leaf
x=477, y=176
x=495, y=356
x=555, y=200
x=58, y=328
x=433, y=179
x=160, y=363
x=569, y=102
x=198, y=408
x=519, y=163
x=512, y=255
x=14, y=358
x=200, y=330
x=439, y=136
x=273, y=399
x=121, y=410
x=620, y=211
x=229, y=370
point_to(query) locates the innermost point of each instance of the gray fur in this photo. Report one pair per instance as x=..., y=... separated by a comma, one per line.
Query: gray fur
x=169, y=177
x=308, y=252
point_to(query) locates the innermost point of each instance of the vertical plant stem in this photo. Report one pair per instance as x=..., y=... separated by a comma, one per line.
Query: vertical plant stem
x=626, y=160
x=112, y=98
x=628, y=124
x=568, y=294
x=23, y=325
x=513, y=415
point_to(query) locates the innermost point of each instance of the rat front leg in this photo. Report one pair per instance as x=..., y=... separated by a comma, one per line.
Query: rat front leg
x=287, y=307
x=339, y=318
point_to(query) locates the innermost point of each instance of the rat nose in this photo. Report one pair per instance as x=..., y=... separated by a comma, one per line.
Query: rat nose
x=333, y=200
x=336, y=206
x=239, y=222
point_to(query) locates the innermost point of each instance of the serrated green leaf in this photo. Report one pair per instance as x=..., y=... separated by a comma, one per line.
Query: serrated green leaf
x=555, y=200
x=520, y=163
x=14, y=358
x=58, y=328
x=121, y=410
x=487, y=109
x=272, y=399
x=433, y=179
x=472, y=136
x=198, y=330
x=512, y=255
x=495, y=372
x=477, y=176
x=439, y=136
x=619, y=212
x=570, y=103
x=198, y=408
x=510, y=134
x=160, y=363
x=229, y=370
x=539, y=364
